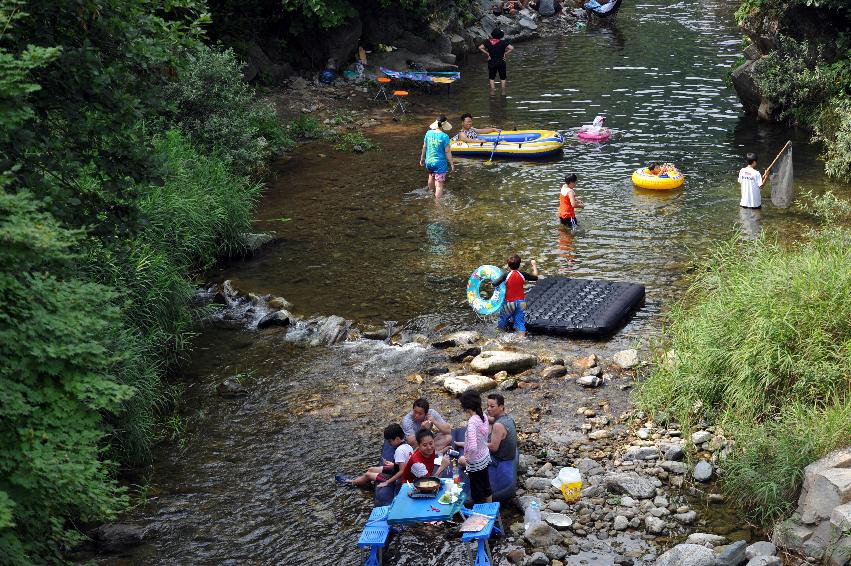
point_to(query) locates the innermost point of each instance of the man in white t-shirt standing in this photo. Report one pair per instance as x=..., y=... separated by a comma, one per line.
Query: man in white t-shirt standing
x=751, y=182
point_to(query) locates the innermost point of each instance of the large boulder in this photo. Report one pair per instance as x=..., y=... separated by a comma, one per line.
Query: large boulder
x=343, y=42
x=457, y=384
x=276, y=318
x=331, y=331
x=632, y=484
x=118, y=537
x=258, y=63
x=687, y=555
x=827, y=484
x=745, y=86
x=492, y=362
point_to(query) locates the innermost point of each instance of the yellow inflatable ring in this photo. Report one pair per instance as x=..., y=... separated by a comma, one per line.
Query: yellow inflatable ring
x=671, y=179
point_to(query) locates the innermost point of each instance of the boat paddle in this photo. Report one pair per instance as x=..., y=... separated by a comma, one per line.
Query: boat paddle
x=490, y=159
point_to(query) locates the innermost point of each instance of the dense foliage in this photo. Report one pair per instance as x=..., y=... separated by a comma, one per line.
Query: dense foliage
x=809, y=88
x=126, y=154
x=778, y=385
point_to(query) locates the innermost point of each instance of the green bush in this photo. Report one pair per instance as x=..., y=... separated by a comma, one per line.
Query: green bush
x=355, y=141
x=833, y=129
x=769, y=378
x=305, y=127
x=221, y=114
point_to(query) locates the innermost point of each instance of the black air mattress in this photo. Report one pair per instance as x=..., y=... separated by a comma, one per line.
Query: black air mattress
x=581, y=307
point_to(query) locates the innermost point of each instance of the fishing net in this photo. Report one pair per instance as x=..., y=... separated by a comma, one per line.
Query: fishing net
x=782, y=188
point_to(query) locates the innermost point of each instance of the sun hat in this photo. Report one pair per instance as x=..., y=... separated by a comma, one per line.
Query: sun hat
x=441, y=122
x=419, y=470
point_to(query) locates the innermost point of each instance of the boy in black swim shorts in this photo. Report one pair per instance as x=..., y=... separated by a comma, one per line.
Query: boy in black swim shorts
x=496, y=48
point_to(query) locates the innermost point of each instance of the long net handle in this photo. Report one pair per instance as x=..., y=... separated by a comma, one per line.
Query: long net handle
x=767, y=169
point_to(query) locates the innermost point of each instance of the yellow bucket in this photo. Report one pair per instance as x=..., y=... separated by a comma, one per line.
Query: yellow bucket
x=569, y=480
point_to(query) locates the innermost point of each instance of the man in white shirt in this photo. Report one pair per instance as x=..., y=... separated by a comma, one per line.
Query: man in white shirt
x=751, y=182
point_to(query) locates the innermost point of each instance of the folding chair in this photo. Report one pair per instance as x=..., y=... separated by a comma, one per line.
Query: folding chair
x=399, y=101
x=381, y=92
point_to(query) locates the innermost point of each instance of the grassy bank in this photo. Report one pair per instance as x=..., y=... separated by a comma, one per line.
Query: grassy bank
x=125, y=167
x=762, y=348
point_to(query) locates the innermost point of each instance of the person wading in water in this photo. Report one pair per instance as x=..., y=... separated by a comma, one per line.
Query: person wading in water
x=496, y=48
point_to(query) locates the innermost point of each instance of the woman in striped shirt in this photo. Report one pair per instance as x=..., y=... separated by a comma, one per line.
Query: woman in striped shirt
x=476, y=454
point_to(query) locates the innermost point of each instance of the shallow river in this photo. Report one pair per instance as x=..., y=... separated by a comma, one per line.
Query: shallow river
x=364, y=240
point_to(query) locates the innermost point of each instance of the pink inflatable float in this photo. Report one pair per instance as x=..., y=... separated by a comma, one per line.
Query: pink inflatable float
x=592, y=135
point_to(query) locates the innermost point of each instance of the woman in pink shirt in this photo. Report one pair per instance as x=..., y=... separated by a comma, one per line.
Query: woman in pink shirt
x=476, y=454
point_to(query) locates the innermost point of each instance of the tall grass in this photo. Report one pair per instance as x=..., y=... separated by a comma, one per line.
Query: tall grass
x=763, y=348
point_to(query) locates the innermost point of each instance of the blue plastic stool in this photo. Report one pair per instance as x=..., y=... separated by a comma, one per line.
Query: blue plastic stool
x=483, y=555
x=374, y=535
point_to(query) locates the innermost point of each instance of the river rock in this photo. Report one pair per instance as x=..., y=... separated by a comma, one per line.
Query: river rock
x=641, y=453
x=630, y=483
x=279, y=303
x=589, y=381
x=840, y=517
x=557, y=505
x=654, y=525
x=376, y=334
x=705, y=539
x=553, y=372
x=761, y=548
x=731, y=554
x=230, y=389
x=586, y=362
x=462, y=355
x=528, y=24
x=461, y=338
x=459, y=383
x=277, y=318
x=558, y=520
x=626, y=359
x=674, y=453
x=538, y=559
x=700, y=437
x=620, y=523
x=678, y=468
x=643, y=433
x=538, y=484
x=542, y=535
x=491, y=362
x=330, y=332
x=599, y=434
x=508, y=384
x=588, y=467
x=703, y=471
x=764, y=561
x=117, y=537
x=687, y=555
x=686, y=518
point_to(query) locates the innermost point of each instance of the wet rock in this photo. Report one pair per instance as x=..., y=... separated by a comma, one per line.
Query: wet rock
x=731, y=554
x=438, y=370
x=378, y=334
x=553, y=372
x=700, y=437
x=630, y=483
x=686, y=518
x=761, y=548
x=654, y=525
x=277, y=318
x=703, y=471
x=588, y=361
x=252, y=243
x=117, y=537
x=705, y=539
x=462, y=355
x=491, y=362
x=687, y=555
x=641, y=453
x=589, y=381
x=440, y=379
x=231, y=389
x=279, y=303
x=626, y=359
x=461, y=338
x=557, y=520
x=538, y=559
x=764, y=561
x=460, y=383
x=542, y=535
x=528, y=24
x=620, y=523
x=330, y=332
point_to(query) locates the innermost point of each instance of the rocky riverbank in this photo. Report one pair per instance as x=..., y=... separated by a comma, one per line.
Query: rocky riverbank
x=647, y=484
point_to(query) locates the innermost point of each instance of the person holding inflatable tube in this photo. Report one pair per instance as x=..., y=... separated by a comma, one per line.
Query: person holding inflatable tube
x=514, y=308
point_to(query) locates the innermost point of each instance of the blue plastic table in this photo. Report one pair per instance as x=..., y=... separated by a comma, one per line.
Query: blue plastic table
x=405, y=509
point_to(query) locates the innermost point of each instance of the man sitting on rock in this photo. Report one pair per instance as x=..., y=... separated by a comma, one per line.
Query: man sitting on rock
x=424, y=417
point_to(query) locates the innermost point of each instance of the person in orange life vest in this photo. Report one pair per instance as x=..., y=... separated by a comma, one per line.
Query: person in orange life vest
x=514, y=309
x=568, y=203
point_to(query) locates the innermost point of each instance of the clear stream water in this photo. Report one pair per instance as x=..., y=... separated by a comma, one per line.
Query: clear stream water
x=365, y=240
